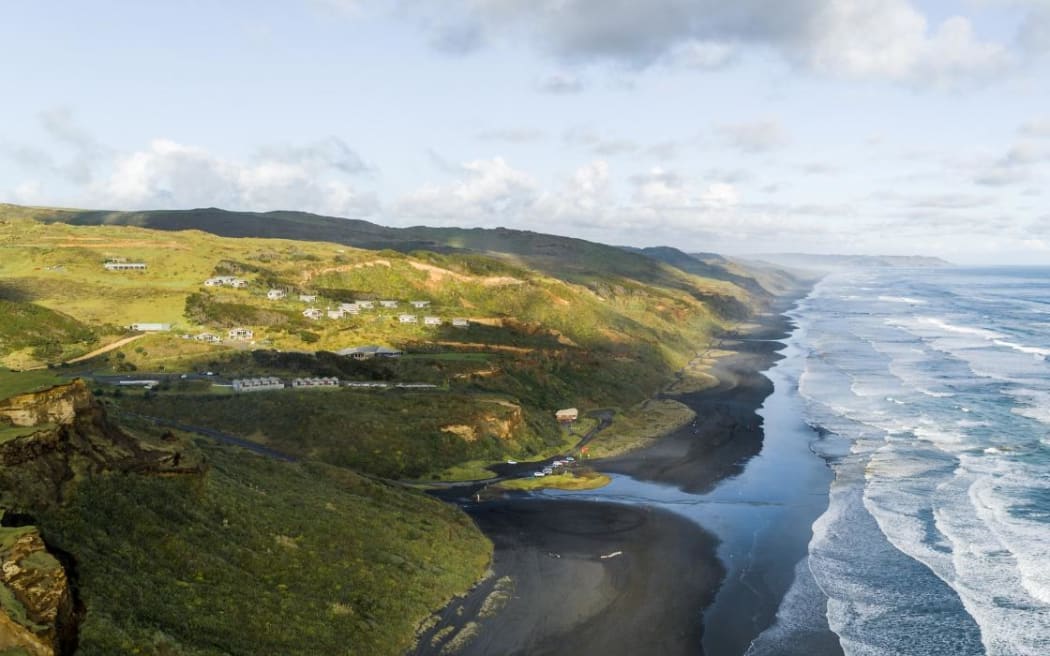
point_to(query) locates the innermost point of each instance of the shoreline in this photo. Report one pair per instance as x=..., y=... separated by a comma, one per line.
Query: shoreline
x=577, y=603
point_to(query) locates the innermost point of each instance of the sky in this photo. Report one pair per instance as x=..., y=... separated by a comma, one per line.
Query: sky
x=751, y=126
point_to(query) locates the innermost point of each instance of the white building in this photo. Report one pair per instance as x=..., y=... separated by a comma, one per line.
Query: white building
x=219, y=281
x=388, y=304
x=208, y=337
x=336, y=314
x=125, y=266
x=307, y=298
x=313, y=313
x=241, y=334
x=408, y=318
x=257, y=384
x=350, y=308
x=365, y=305
x=151, y=327
x=461, y=323
x=239, y=283
x=419, y=305
x=431, y=321
x=276, y=294
x=315, y=382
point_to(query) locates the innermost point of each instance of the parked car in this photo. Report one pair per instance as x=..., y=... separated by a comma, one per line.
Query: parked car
x=538, y=474
x=512, y=462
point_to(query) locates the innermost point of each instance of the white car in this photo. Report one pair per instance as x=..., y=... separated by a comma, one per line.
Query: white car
x=538, y=474
x=548, y=470
x=570, y=459
x=512, y=462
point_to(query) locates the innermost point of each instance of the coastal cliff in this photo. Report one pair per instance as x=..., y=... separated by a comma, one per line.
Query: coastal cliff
x=49, y=441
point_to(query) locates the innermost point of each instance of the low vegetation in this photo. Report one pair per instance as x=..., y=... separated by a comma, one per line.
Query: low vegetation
x=260, y=557
x=640, y=427
x=568, y=480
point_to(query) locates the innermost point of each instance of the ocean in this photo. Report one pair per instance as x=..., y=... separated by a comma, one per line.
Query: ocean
x=929, y=394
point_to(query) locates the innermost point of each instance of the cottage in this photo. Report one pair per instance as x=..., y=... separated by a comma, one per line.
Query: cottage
x=419, y=305
x=336, y=314
x=219, y=281
x=257, y=384
x=567, y=416
x=241, y=334
x=208, y=337
x=239, y=283
x=276, y=294
x=365, y=305
x=368, y=352
x=315, y=382
x=124, y=266
x=431, y=321
x=151, y=327
x=408, y=318
x=307, y=298
x=350, y=308
x=460, y=323
x=388, y=304
x=313, y=313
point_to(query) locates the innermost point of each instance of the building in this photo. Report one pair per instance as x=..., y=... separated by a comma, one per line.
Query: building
x=431, y=321
x=567, y=416
x=365, y=305
x=369, y=351
x=315, y=382
x=151, y=327
x=388, y=304
x=241, y=334
x=208, y=337
x=419, y=305
x=313, y=313
x=336, y=314
x=125, y=266
x=307, y=298
x=350, y=308
x=460, y=323
x=276, y=294
x=257, y=384
x=408, y=318
x=219, y=281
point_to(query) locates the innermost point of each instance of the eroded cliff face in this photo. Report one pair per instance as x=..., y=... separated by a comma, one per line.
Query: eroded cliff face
x=65, y=435
x=35, y=596
x=49, y=441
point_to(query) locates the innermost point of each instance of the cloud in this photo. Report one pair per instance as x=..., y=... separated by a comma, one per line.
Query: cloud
x=560, y=83
x=82, y=151
x=170, y=174
x=754, y=136
x=867, y=39
x=597, y=143
x=487, y=190
x=331, y=152
x=1036, y=128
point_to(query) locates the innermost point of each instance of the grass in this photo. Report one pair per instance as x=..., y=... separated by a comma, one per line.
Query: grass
x=261, y=557
x=20, y=382
x=639, y=427
x=587, y=480
x=696, y=376
x=472, y=470
x=8, y=433
x=393, y=433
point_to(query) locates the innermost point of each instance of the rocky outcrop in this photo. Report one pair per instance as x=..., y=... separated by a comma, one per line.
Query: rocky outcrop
x=67, y=436
x=35, y=596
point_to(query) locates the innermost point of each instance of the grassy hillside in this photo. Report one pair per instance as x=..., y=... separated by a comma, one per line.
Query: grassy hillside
x=260, y=557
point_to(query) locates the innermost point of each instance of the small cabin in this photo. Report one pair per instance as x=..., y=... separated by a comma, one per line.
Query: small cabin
x=388, y=304
x=276, y=294
x=567, y=416
x=313, y=313
x=431, y=321
x=241, y=334
x=460, y=323
x=125, y=266
x=151, y=327
x=419, y=305
x=307, y=298
x=408, y=318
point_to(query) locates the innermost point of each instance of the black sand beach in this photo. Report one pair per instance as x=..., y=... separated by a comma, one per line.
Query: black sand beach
x=650, y=599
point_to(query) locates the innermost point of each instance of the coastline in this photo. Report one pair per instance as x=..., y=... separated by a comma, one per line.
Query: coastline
x=575, y=602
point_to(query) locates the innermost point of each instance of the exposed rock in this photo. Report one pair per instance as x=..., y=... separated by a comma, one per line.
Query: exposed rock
x=35, y=596
x=73, y=438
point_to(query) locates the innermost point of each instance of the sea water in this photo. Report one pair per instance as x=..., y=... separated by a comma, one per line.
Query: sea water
x=936, y=539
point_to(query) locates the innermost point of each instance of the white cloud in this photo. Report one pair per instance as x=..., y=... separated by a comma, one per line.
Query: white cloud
x=170, y=174
x=560, y=83
x=488, y=190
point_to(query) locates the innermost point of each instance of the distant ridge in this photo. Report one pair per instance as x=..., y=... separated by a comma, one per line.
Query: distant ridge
x=824, y=262
x=567, y=258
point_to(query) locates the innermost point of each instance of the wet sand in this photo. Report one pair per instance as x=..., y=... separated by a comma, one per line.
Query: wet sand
x=566, y=599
